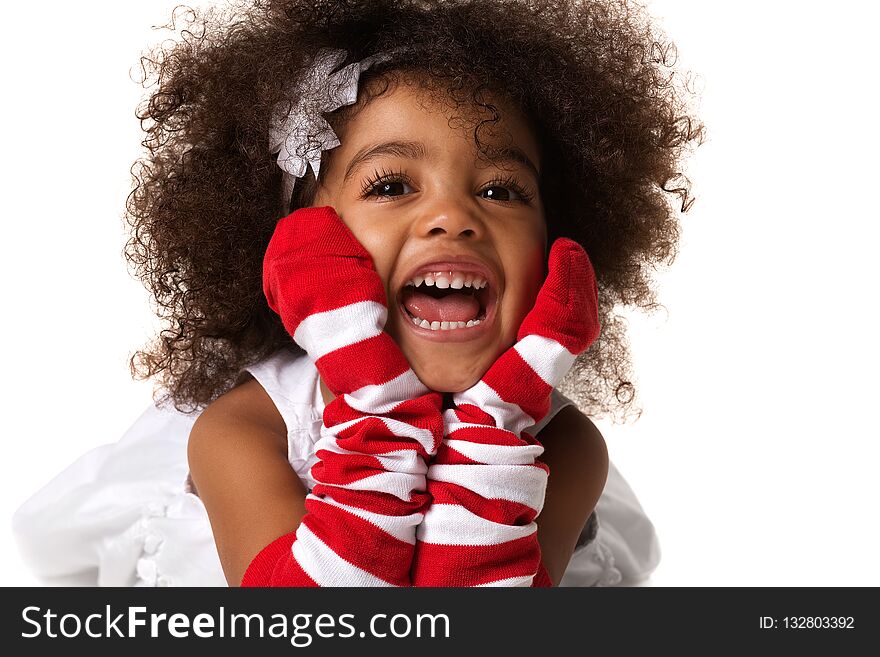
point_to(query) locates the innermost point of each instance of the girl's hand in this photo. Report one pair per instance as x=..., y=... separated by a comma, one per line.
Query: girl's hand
x=378, y=432
x=322, y=283
x=563, y=322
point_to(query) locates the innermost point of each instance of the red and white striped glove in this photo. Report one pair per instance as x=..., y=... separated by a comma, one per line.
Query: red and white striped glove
x=486, y=482
x=378, y=433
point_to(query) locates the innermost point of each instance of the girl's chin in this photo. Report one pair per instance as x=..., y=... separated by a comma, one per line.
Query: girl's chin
x=446, y=374
x=445, y=387
x=450, y=367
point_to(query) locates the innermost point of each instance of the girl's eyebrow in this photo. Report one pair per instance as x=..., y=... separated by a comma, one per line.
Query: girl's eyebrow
x=513, y=154
x=415, y=150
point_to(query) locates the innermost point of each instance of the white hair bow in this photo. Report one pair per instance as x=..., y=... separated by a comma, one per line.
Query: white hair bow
x=298, y=131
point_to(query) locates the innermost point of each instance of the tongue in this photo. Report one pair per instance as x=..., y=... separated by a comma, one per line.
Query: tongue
x=454, y=307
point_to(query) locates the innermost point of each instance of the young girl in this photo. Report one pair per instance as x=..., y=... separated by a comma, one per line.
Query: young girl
x=381, y=234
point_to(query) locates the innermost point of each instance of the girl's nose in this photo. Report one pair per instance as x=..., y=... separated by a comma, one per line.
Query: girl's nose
x=450, y=217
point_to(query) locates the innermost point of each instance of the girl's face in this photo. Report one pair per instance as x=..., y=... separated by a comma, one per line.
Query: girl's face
x=410, y=183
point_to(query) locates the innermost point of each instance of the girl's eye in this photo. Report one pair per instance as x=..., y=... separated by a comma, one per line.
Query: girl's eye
x=390, y=188
x=391, y=184
x=507, y=190
x=499, y=193
x=387, y=184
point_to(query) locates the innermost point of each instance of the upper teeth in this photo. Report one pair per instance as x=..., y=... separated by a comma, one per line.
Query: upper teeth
x=454, y=280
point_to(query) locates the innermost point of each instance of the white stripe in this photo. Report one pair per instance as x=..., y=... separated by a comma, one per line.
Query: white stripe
x=398, y=484
x=516, y=483
x=325, y=566
x=402, y=528
x=523, y=581
x=404, y=460
x=509, y=416
x=381, y=398
x=321, y=333
x=453, y=524
x=400, y=429
x=549, y=359
x=453, y=426
x=424, y=436
x=328, y=433
x=496, y=454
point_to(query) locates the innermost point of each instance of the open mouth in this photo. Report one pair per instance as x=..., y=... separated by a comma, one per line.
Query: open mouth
x=445, y=301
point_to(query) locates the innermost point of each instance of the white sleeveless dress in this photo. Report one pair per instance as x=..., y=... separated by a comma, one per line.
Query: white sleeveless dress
x=123, y=514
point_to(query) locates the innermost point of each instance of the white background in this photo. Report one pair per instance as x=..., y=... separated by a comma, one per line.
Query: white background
x=757, y=452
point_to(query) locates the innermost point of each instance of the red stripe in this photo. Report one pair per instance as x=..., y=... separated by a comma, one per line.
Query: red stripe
x=423, y=412
x=342, y=469
x=274, y=565
x=373, y=361
x=446, y=455
x=361, y=543
x=474, y=414
x=420, y=411
x=372, y=436
x=375, y=501
x=475, y=564
x=505, y=512
x=517, y=383
x=486, y=436
x=529, y=439
x=542, y=578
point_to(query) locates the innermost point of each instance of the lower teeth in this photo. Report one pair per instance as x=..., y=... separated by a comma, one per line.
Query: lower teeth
x=444, y=326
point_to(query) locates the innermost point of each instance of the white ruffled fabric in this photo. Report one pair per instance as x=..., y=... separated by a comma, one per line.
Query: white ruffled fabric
x=123, y=515
x=618, y=546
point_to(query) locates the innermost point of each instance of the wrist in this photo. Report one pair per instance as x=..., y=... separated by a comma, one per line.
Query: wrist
x=326, y=395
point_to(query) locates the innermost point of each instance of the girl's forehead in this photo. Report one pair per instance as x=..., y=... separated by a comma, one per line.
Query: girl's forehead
x=410, y=113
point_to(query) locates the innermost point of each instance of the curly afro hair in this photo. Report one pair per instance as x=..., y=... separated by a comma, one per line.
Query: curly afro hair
x=594, y=78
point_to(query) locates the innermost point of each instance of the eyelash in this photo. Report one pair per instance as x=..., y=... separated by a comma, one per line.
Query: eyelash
x=385, y=177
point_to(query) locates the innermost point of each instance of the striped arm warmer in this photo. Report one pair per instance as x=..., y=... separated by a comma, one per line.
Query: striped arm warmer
x=378, y=433
x=486, y=482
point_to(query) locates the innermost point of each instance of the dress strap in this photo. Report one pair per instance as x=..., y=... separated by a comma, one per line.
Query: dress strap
x=290, y=380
